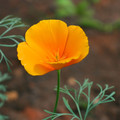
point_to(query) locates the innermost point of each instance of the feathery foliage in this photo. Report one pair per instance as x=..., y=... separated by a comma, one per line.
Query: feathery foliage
x=9, y=23
x=75, y=95
x=3, y=97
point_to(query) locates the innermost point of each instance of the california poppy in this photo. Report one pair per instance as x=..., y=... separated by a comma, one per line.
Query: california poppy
x=51, y=45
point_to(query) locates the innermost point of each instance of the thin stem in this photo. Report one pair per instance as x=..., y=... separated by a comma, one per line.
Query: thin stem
x=58, y=91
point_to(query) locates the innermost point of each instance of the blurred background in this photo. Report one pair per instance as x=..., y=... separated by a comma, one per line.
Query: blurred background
x=28, y=96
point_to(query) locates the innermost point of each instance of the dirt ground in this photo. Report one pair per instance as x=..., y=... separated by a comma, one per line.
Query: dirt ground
x=102, y=65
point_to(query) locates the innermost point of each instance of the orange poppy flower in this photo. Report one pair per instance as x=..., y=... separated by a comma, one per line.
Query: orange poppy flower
x=51, y=45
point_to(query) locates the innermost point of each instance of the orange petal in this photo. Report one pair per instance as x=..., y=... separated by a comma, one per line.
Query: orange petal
x=76, y=48
x=63, y=63
x=48, y=36
x=77, y=41
x=31, y=61
x=77, y=44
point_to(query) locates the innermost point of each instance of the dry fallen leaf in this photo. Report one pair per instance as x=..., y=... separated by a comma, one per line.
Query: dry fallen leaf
x=12, y=95
x=71, y=81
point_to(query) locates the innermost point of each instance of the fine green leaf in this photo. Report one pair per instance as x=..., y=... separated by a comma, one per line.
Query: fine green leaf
x=101, y=98
x=10, y=23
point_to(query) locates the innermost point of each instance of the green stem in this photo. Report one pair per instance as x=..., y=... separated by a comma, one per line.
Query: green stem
x=58, y=91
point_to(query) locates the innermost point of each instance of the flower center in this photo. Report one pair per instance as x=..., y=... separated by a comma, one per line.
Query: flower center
x=57, y=57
